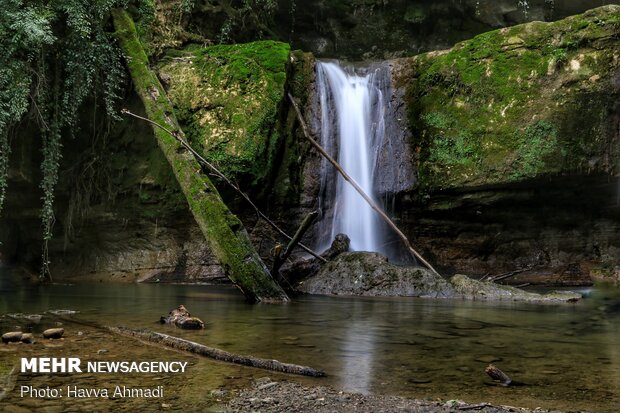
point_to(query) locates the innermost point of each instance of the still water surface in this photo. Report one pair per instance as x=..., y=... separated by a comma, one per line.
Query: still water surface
x=568, y=356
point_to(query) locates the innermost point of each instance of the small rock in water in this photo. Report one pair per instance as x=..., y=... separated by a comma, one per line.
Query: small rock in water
x=12, y=337
x=53, y=333
x=62, y=312
x=102, y=351
x=27, y=338
x=33, y=318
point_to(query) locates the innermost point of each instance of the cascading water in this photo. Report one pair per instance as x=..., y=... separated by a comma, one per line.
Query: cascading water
x=352, y=122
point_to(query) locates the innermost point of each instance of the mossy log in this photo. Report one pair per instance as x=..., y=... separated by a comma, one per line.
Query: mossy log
x=224, y=232
x=214, y=353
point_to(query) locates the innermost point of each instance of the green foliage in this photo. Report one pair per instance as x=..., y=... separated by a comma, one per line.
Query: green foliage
x=251, y=15
x=56, y=57
x=536, y=143
x=23, y=31
x=436, y=120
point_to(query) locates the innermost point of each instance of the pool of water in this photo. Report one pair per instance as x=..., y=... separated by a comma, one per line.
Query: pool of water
x=566, y=356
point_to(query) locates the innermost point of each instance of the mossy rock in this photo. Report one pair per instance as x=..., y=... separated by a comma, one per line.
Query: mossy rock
x=471, y=289
x=516, y=103
x=228, y=99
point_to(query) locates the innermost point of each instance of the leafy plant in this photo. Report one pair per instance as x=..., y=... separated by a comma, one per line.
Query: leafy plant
x=56, y=56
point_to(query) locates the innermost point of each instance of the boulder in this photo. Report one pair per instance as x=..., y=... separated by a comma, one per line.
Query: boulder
x=27, y=338
x=520, y=102
x=370, y=274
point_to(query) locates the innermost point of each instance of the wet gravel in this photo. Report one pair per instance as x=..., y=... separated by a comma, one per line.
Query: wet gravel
x=267, y=396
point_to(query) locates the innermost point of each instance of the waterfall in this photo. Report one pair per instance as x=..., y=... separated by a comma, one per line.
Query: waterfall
x=352, y=125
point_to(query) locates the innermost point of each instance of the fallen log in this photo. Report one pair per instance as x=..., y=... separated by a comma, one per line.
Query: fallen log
x=214, y=353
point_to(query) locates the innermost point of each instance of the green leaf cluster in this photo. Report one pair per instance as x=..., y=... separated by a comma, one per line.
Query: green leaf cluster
x=57, y=56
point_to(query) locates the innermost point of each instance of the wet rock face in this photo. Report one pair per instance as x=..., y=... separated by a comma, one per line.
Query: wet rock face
x=517, y=133
x=516, y=103
x=128, y=222
x=361, y=273
x=555, y=231
x=362, y=30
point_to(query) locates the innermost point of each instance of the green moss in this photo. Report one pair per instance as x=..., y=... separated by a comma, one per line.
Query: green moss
x=228, y=100
x=504, y=105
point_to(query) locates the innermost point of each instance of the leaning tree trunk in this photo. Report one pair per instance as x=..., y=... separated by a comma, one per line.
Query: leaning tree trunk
x=225, y=234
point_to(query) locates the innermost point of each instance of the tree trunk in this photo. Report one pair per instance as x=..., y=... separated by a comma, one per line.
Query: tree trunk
x=224, y=232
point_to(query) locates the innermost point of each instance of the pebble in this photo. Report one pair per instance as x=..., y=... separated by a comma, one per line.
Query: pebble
x=102, y=351
x=12, y=337
x=267, y=385
x=53, y=333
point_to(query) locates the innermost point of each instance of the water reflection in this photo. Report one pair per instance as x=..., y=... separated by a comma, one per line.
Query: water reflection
x=567, y=355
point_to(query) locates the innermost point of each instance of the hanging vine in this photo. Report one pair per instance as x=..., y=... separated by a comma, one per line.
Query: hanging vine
x=56, y=56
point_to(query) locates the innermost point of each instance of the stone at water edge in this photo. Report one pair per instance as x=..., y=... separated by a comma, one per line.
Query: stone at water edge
x=53, y=333
x=27, y=338
x=12, y=337
x=181, y=318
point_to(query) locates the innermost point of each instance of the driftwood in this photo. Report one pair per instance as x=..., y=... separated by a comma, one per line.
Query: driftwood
x=281, y=257
x=181, y=318
x=498, y=375
x=347, y=178
x=201, y=160
x=214, y=353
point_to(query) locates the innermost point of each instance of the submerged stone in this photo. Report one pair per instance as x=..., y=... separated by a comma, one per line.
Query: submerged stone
x=478, y=290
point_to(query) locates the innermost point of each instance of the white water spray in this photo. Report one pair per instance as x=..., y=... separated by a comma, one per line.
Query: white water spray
x=351, y=122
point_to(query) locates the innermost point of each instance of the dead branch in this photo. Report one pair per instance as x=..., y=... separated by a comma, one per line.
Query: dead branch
x=280, y=257
x=214, y=353
x=347, y=178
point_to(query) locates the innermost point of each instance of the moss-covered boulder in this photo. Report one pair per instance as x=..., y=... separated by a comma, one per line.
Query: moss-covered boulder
x=534, y=99
x=370, y=274
x=228, y=98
